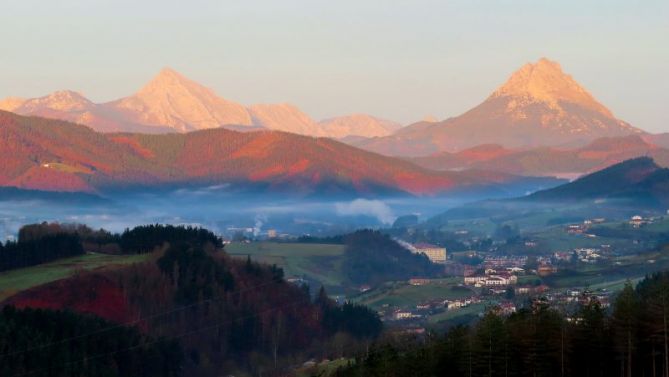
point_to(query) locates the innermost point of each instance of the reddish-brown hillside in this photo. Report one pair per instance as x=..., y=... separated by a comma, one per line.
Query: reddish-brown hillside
x=46, y=154
x=90, y=293
x=549, y=161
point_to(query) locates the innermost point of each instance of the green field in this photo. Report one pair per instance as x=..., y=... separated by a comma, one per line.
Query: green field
x=459, y=315
x=14, y=281
x=611, y=276
x=404, y=295
x=325, y=369
x=318, y=262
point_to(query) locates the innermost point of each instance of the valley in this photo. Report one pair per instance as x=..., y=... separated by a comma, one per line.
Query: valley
x=254, y=240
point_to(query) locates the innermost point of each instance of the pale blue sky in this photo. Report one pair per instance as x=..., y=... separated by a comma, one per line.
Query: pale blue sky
x=401, y=60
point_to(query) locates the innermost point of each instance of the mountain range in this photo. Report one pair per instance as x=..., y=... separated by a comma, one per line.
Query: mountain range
x=45, y=154
x=541, y=122
x=548, y=161
x=539, y=105
x=171, y=102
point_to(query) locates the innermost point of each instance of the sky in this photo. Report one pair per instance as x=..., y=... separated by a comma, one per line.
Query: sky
x=401, y=60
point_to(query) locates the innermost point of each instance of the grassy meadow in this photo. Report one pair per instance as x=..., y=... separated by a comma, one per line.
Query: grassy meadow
x=14, y=281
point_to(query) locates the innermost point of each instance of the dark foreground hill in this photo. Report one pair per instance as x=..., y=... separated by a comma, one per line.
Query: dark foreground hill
x=230, y=316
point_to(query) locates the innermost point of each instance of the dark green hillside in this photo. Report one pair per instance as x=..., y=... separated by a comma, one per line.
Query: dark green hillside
x=372, y=258
x=631, y=176
x=50, y=343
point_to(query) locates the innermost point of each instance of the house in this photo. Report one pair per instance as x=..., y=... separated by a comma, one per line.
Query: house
x=507, y=308
x=364, y=288
x=492, y=280
x=419, y=281
x=455, y=304
x=515, y=270
x=474, y=280
x=504, y=261
x=637, y=221
x=436, y=254
x=546, y=269
x=501, y=280
x=399, y=315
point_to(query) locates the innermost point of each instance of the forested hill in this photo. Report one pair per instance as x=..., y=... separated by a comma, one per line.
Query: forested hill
x=639, y=180
x=229, y=315
x=53, y=155
x=35, y=342
x=372, y=257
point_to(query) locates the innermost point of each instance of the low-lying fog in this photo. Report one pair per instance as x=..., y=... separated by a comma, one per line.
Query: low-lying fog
x=229, y=213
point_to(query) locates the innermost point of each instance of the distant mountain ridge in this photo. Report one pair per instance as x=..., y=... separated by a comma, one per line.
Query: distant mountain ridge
x=639, y=180
x=171, y=102
x=539, y=105
x=44, y=154
x=548, y=161
x=632, y=187
x=358, y=125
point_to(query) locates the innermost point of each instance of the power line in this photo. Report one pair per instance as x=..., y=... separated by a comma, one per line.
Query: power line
x=137, y=321
x=187, y=333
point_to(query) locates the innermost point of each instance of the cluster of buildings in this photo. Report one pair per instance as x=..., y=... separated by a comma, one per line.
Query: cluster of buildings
x=492, y=280
x=570, y=298
x=584, y=227
x=461, y=303
x=496, y=271
x=504, y=261
x=584, y=255
x=399, y=315
x=425, y=309
x=588, y=255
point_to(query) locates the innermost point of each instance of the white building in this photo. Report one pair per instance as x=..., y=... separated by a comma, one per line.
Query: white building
x=436, y=254
x=399, y=315
x=491, y=280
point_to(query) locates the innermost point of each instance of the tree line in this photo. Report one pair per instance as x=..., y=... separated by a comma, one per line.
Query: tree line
x=30, y=252
x=47, y=242
x=629, y=339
